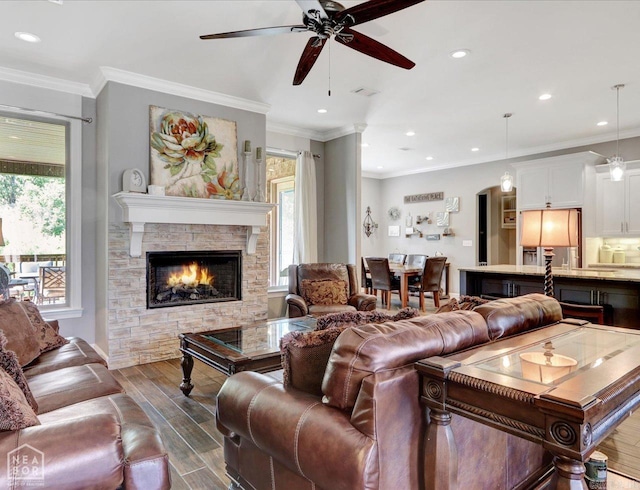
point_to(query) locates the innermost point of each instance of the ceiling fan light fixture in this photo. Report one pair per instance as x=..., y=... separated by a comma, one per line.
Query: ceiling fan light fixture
x=617, y=165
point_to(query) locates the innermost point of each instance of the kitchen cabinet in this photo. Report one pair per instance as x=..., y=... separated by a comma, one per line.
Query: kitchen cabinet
x=562, y=185
x=506, y=287
x=618, y=204
x=622, y=303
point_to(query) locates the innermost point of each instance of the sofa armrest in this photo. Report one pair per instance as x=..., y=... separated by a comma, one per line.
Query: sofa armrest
x=297, y=430
x=72, y=452
x=363, y=302
x=297, y=305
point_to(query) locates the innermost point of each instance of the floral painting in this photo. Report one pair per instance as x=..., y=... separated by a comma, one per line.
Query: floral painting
x=192, y=155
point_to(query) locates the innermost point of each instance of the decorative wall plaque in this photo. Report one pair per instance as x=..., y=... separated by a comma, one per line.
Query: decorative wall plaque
x=394, y=230
x=452, y=204
x=442, y=218
x=431, y=196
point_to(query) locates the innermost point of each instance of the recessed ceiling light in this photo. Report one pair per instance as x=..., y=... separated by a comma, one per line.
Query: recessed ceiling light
x=27, y=36
x=545, y=97
x=380, y=166
x=602, y=123
x=475, y=149
x=459, y=53
x=429, y=158
x=410, y=133
x=57, y=2
x=14, y=137
x=364, y=145
x=322, y=111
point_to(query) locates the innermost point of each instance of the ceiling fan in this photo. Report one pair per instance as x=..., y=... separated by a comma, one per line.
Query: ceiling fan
x=327, y=18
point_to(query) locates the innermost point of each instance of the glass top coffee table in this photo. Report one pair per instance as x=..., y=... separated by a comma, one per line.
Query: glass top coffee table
x=566, y=387
x=254, y=347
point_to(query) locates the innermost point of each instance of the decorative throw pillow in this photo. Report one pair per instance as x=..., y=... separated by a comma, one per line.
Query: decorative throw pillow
x=15, y=412
x=48, y=338
x=462, y=303
x=21, y=336
x=324, y=291
x=9, y=362
x=363, y=317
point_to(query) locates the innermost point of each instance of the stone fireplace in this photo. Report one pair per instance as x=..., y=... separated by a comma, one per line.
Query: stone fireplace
x=137, y=334
x=184, y=278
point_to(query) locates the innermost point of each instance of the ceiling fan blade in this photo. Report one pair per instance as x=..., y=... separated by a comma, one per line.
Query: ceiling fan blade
x=307, y=5
x=373, y=9
x=309, y=56
x=262, y=31
x=371, y=47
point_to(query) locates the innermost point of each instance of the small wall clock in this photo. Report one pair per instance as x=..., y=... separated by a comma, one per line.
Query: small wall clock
x=394, y=213
x=133, y=180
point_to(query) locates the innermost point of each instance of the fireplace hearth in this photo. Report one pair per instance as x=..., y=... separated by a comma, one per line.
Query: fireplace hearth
x=183, y=278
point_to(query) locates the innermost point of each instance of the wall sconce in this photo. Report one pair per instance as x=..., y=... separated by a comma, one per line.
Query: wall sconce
x=369, y=225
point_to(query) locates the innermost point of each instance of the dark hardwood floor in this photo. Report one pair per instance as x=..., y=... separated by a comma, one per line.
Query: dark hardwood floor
x=194, y=444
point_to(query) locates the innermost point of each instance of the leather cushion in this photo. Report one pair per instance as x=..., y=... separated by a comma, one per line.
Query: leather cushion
x=72, y=385
x=363, y=350
x=509, y=316
x=15, y=411
x=324, y=291
x=76, y=353
x=21, y=335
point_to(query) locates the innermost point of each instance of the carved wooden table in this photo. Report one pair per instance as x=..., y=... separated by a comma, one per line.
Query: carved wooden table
x=253, y=347
x=503, y=385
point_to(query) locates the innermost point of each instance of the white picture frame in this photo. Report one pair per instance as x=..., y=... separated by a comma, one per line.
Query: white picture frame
x=394, y=230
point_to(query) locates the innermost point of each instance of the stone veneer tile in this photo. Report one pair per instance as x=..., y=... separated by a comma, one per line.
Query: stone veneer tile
x=138, y=335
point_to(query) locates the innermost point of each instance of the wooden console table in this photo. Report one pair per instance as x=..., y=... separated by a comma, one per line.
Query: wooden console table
x=568, y=413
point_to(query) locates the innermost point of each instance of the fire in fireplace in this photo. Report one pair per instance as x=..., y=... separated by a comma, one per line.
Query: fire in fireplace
x=182, y=278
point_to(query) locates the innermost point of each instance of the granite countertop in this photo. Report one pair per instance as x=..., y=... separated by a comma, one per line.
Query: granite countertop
x=611, y=274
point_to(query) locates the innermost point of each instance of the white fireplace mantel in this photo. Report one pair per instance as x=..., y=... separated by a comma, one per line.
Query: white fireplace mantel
x=139, y=209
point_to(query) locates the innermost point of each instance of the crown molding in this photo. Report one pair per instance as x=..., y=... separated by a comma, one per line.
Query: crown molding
x=276, y=127
x=44, y=81
x=109, y=74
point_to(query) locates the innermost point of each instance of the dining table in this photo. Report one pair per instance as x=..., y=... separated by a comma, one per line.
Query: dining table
x=405, y=272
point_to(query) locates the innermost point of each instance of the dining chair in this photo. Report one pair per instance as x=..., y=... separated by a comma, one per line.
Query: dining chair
x=397, y=258
x=52, y=283
x=365, y=276
x=591, y=313
x=431, y=279
x=383, y=279
x=416, y=260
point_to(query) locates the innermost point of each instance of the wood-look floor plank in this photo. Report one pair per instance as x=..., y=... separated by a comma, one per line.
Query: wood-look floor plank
x=204, y=479
x=181, y=455
x=154, y=395
x=192, y=407
x=177, y=482
x=191, y=432
x=215, y=462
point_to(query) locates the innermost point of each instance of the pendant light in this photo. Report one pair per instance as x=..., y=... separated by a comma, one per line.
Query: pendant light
x=617, y=165
x=506, y=181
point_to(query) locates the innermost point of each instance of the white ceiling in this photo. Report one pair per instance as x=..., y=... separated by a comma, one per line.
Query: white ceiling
x=575, y=50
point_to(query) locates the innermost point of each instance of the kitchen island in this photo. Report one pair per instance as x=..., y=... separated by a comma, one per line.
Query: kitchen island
x=618, y=290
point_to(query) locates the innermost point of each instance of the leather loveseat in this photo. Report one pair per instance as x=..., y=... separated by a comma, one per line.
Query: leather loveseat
x=365, y=429
x=84, y=430
x=320, y=289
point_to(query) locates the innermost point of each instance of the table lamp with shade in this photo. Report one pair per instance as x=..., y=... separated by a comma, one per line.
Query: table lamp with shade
x=549, y=228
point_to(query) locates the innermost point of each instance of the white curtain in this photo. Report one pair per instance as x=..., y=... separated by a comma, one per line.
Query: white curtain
x=305, y=248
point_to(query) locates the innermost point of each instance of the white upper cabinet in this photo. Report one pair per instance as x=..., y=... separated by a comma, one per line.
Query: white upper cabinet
x=618, y=204
x=556, y=180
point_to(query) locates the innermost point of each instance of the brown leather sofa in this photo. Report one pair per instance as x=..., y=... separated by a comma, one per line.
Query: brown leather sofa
x=90, y=433
x=365, y=430
x=319, y=289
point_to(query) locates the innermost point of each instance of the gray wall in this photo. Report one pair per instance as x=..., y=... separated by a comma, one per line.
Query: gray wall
x=317, y=148
x=41, y=99
x=123, y=142
x=342, y=207
x=465, y=183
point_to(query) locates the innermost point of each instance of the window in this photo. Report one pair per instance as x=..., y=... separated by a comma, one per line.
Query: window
x=34, y=207
x=281, y=191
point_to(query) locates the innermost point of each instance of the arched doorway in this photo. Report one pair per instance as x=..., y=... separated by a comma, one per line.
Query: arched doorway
x=496, y=226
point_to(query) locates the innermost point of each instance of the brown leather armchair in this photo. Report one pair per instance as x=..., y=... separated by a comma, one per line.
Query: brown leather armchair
x=319, y=289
